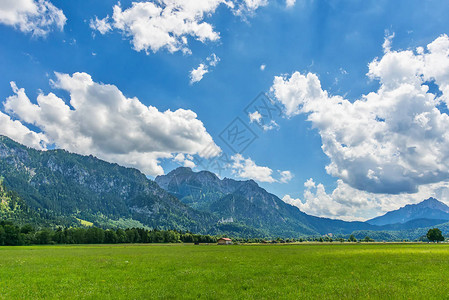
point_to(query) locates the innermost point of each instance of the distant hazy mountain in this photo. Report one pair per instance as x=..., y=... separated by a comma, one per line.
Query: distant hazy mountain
x=431, y=209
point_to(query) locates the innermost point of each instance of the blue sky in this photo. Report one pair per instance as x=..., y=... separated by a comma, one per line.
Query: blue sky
x=336, y=40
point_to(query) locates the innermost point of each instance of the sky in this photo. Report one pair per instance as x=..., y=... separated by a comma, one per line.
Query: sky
x=337, y=107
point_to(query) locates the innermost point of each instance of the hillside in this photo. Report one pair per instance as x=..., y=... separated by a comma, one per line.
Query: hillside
x=62, y=184
x=15, y=209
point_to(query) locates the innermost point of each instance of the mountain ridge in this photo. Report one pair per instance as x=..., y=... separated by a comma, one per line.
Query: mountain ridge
x=430, y=208
x=224, y=197
x=85, y=187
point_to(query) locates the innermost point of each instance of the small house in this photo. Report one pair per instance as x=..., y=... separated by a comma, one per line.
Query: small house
x=224, y=241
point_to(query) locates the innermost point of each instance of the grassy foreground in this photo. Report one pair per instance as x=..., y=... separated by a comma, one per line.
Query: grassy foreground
x=349, y=271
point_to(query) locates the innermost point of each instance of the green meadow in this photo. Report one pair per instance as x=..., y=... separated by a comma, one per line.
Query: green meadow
x=136, y=271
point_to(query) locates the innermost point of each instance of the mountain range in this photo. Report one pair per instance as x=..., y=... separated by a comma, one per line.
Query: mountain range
x=247, y=203
x=67, y=187
x=430, y=209
x=55, y=187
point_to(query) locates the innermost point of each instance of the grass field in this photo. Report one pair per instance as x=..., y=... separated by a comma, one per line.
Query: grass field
x=349, y=271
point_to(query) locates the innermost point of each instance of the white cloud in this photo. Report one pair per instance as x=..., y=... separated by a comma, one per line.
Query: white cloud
x=247, y=168
x=20, y=133
x=262, y=67
x=213, y=60
x=102, y=121
x=185, y=160
x=255, y=117
x=292, y=201
x=30, y=16
x=309, y=183
x=290, y=3
x=387, y=42
x=248, y=7
x=270, y=126
x=344, y=202
x=100, y=25
x=164, y=24
x=286, y=176
x=389, y=141
x=197, y=74
x=153, y=25
x=351, y=204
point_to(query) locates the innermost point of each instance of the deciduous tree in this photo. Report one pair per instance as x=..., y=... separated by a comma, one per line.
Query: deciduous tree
x=435, y=235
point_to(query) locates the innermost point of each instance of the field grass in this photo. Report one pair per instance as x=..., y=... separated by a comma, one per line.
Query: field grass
x=324, y=271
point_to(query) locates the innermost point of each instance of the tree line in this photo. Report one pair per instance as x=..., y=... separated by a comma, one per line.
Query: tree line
x=13, y=235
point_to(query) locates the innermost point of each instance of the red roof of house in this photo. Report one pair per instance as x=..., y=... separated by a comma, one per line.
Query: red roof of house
x=226, y=239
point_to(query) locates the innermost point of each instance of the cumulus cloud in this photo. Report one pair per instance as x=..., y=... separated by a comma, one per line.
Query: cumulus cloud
x=350, y=204
x=153, y=25
x=197, y=74
x=344, y=202
x=392, y=140
x=163, y=24
x=20, y=133
x=248, y=169
x=102, y=121
x=30, y=16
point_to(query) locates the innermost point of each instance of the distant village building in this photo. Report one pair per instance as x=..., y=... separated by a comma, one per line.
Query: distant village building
x=227, y=220
x=224, y=241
